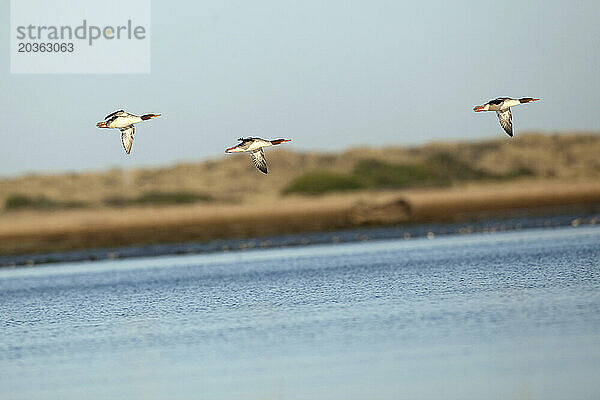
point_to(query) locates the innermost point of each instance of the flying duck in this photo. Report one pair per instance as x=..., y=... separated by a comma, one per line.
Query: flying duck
x=502, y=107
x=124, y=121
x=254, y=146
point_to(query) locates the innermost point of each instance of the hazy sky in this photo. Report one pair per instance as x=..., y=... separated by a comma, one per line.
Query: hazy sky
x=328, y=74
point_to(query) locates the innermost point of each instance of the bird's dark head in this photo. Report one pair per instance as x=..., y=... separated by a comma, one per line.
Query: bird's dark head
x=234, y=149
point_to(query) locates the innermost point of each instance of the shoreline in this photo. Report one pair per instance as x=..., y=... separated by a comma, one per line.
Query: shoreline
x=399, y=232
x=62, y=231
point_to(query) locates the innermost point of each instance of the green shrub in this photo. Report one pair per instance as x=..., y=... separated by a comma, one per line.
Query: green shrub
x=382, y=175
x=19, y=202
x=518, y=173
x=158, y=198
x=323, y=182
x=448, y=168
x=439, y=170
x=172, y=198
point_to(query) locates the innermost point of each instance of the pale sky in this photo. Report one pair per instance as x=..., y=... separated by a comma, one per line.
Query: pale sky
x=327, y=74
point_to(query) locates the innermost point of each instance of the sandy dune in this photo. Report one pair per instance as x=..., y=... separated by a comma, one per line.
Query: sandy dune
x=566, y=174
x=30, y=231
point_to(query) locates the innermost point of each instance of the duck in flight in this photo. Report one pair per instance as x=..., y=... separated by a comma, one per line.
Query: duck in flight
x=502, y=107
x=124, y=121
x=255, y=146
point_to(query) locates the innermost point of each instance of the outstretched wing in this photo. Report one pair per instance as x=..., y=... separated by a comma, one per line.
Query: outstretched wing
x=259, y=160
x=127, y=137
x=115, y=114
x=505, y=118
x=498, y=100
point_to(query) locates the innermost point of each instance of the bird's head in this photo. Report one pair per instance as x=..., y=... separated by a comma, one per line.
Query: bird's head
x=234, y=149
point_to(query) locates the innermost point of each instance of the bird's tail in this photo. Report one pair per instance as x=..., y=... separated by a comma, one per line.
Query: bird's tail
x=527, y=100
x=149, y=116
x=279, y=141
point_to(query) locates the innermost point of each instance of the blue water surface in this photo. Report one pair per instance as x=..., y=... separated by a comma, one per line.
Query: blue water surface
x=510, y=315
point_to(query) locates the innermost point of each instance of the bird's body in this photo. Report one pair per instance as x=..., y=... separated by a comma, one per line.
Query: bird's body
x=502, y=107
x=121, y=119
x=254, y=146
x=124, y=121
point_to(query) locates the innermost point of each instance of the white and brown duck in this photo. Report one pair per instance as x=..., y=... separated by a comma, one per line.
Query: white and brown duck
x=254, y=146
x=124, y=121
x=502, y=107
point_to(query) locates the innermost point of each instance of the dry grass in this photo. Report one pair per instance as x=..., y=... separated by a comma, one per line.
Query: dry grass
x=247, y=203
x=32, y=231
x=233, y=179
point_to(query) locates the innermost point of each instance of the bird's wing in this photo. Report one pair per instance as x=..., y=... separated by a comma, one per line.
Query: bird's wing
x=127, y=137
x=115, y=114
x=259, y=160
x=245, y=142
x=505, y=118
x=499, y=100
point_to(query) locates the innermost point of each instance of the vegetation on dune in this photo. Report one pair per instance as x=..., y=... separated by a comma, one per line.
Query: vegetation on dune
x=449, y=168
x=323, y=182
x=378, y=174
x=441, y=169
x=21, y=202
x=232, y=179
x=517, y=172
x=158, y=198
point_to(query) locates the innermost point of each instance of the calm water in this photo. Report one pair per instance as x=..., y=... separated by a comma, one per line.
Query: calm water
x=511, y=315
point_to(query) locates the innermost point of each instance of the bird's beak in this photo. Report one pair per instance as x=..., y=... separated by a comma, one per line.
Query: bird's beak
x=229, y=149
x=478, y=108
x=286, y=140
x=155, y=115
x=101, y=124
x=535, y=100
